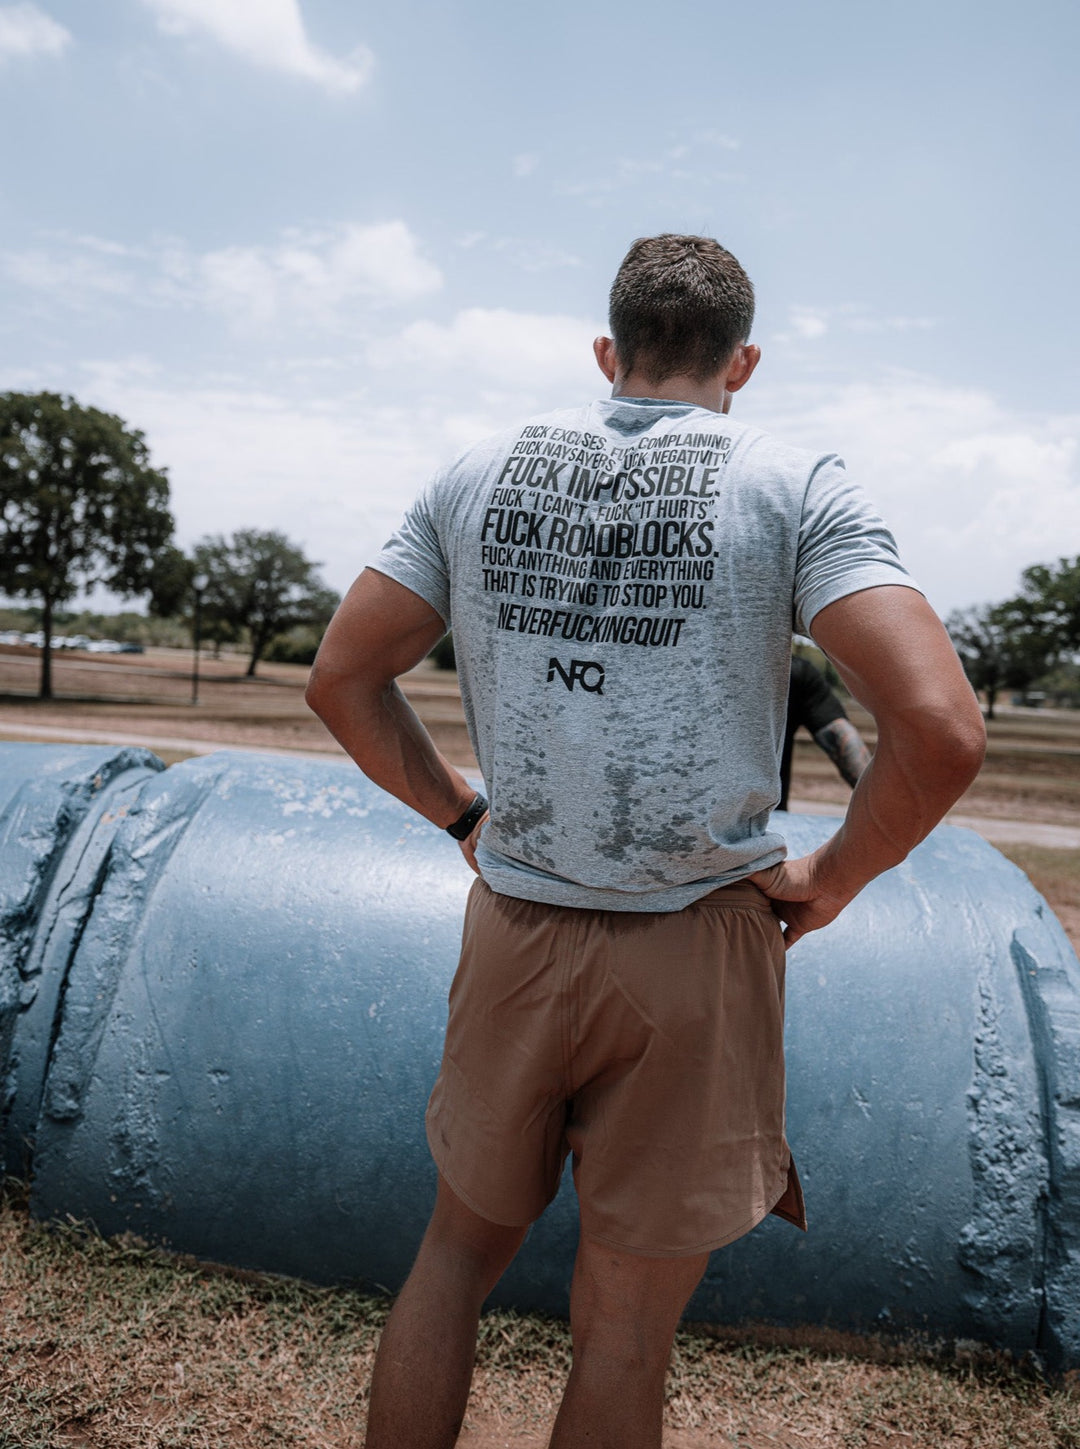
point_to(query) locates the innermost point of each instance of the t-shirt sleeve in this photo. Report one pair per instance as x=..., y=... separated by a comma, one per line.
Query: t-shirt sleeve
x=414, y=555
x=843, y=545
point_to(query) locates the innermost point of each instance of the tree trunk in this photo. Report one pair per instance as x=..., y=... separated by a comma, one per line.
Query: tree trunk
x=991, y=696
x=256, y=655
x=45, y=692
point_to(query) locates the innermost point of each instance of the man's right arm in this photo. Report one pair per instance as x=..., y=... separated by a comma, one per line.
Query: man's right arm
x=893, y=653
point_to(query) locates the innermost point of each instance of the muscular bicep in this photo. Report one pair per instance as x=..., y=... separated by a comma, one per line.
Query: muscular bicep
x=893, y=653
x=380, y=630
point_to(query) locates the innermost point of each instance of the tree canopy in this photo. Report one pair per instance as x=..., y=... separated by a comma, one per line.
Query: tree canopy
x=80, y=505
x=997, y=649
x=261, y=582
x=1048, y=605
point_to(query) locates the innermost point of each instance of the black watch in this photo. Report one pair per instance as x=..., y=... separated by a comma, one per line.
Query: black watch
x=465, y=824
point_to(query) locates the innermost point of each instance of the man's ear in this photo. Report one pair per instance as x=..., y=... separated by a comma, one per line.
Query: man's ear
x=741, y=366
x=606, y=360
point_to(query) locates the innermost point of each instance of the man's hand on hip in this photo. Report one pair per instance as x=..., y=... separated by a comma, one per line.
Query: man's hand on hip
x=799, y=897
x=469, y=844
x=897, y=660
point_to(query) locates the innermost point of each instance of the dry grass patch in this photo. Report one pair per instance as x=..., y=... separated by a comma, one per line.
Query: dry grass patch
x=112, y=1345
x=1056, y=875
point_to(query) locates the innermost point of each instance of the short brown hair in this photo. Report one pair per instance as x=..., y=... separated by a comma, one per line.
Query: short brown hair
x=679, y=304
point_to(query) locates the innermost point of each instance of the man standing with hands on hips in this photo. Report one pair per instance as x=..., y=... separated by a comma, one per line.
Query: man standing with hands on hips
x=623, y=579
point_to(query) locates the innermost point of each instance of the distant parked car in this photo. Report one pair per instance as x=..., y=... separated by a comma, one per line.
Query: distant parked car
x=131, y=649
x=11, y=636
x=104, y=646
x=36, y=641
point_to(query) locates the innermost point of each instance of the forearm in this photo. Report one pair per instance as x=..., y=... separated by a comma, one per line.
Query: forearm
x=897, y=660
x=906, y=789
x=380, y=730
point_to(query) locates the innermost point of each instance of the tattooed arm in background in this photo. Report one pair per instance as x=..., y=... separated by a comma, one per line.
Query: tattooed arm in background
x=844, y=745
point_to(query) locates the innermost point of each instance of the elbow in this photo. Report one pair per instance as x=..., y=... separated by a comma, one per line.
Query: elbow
x=317, y=694
x=338, y=696
x=968, y=750
x=953, y=745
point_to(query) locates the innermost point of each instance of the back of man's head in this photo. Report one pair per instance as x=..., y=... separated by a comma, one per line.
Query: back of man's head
x=679, y=305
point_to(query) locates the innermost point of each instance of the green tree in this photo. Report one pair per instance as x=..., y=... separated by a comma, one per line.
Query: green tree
x=1048, y=605
x=79, y=505
x=171, y=581
x=262, y=583
x=998, y=649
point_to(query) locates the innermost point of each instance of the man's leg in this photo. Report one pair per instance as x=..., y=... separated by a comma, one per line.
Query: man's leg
x=624, y=1310
x=425, y=1360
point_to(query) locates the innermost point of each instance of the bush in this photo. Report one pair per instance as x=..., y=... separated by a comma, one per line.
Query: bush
x=298, y=646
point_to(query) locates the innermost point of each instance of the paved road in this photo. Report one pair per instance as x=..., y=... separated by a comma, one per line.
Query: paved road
x=91, y=736
x=999, y=832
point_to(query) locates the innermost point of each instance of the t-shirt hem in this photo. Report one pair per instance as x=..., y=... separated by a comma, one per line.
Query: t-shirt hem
x=527, y=887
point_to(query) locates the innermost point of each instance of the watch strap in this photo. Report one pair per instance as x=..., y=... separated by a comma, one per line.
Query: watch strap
x=465, y=824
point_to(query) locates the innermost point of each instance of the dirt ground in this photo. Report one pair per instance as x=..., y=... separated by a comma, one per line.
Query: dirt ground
x=110, y=1345
x=1032, y=771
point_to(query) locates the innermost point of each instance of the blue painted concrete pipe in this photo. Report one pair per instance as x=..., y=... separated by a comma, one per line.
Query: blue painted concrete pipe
x=222, y=995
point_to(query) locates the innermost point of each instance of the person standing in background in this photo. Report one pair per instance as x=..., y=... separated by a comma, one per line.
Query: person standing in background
x=813, y=706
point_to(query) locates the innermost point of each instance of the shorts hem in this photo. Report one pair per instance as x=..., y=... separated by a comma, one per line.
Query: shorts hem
x=470, y=1202
x=758, y=1216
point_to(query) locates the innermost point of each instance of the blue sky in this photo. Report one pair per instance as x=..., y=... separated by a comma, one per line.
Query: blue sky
x=313, y=249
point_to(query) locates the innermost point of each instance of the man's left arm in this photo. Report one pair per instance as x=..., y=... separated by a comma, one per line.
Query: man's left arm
x=381, y=631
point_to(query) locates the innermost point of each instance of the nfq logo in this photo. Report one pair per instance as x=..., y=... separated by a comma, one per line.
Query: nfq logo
x=581, y=671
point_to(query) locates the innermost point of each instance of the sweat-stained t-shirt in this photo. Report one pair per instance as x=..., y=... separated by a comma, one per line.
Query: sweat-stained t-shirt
x=622, y=581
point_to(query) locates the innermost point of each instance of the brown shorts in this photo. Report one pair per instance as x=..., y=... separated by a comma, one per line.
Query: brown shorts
x=648, y=1044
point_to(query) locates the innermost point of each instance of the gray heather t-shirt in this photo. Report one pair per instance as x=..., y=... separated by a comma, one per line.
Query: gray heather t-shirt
x=622, y=580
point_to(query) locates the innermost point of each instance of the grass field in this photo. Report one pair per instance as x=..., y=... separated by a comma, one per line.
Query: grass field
x=114, y=1346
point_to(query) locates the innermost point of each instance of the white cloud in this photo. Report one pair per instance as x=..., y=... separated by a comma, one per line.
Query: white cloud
x=334, y=475
x=808, y=324
x=77, y=278
x=25, y=30
x=519, y=349
x=268, y=33
x=973, y=491
x=720, y=139
x=971, y=499
x=314, y=273
x=309, y=276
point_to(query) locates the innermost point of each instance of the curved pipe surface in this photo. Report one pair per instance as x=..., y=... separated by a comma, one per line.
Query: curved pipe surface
x=238, y=1011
